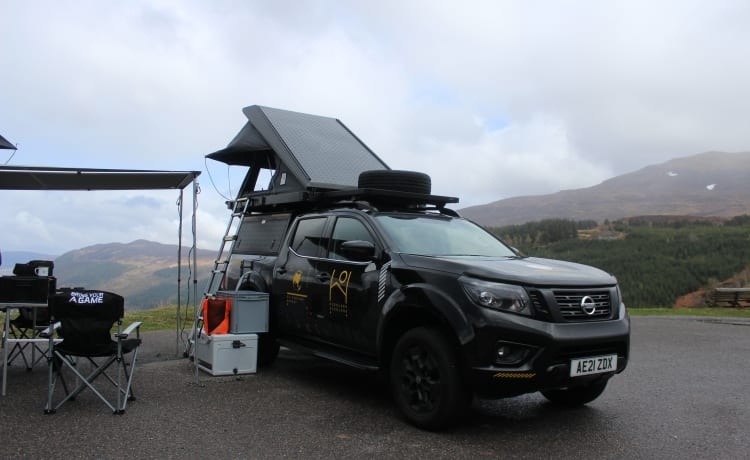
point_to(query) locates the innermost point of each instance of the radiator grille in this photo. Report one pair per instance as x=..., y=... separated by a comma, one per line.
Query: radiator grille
x=569, y=305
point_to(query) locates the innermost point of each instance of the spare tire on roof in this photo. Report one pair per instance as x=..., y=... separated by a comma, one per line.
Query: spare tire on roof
x=397, y=181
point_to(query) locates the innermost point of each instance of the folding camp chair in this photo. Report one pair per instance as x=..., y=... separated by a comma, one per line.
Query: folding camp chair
x=84, y=319
x=27, y=326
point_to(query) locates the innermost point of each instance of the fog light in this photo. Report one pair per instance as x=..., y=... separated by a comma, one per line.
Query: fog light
x=510, y=354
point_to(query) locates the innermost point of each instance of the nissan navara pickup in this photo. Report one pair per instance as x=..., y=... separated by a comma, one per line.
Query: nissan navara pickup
x=394, y=281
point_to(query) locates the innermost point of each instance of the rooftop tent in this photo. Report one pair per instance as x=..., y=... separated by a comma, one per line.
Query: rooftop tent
x=4, y=144
x=306, y=152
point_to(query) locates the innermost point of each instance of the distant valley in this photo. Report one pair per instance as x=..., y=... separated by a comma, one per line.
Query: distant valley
x=144, y=272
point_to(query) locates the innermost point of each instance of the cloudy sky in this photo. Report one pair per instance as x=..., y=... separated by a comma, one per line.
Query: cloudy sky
x=493, y=99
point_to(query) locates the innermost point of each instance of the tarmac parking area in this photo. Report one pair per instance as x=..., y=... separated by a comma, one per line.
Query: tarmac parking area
x=684, y=395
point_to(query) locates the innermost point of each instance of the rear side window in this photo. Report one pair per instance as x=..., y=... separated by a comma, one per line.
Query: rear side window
x=308, y=238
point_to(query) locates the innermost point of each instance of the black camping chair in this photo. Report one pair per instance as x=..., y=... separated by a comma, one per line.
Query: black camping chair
x=84, y=320
x=33, y=281
x=29, y=323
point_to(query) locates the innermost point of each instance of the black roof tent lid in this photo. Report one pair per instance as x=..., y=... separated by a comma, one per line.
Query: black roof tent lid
x=319, y=152
x=4, y=144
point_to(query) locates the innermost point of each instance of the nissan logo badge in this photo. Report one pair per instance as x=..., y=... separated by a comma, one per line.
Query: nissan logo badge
x=588, y=305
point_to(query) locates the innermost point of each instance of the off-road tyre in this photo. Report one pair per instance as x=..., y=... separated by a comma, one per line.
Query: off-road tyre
x=575, y=396
x=268, y=349
x=426, y=381
x=398, y=181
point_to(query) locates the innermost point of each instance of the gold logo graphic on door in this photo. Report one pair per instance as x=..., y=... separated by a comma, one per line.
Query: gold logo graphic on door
x=293, y=298
x=297, y=281
x=338, y=293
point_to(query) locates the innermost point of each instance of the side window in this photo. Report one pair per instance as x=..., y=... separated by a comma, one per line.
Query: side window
x=308, y=238
x=347, y=229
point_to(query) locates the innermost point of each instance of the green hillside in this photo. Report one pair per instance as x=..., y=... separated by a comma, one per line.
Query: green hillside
x=656, y=260
x=144, y=272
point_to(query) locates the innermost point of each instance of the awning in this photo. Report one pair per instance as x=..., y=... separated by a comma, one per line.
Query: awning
x=50, y=178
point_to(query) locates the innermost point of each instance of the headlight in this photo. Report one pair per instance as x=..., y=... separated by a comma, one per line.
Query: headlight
x=497, y=296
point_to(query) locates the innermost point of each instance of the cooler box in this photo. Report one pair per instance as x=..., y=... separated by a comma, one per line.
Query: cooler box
x=249, y=313
x=227, y=354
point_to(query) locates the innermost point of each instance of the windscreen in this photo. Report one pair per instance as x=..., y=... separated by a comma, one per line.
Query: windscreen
x=440, y=236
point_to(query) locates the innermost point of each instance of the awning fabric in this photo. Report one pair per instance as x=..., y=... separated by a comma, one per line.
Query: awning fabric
x=50, y=178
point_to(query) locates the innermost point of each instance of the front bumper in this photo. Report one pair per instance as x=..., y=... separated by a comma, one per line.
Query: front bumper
x=551, y=347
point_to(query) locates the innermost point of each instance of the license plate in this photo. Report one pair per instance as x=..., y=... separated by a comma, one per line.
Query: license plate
x=595, y=365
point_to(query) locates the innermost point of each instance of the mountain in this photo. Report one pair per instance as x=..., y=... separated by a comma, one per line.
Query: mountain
x=707, y=184
x=143, y=272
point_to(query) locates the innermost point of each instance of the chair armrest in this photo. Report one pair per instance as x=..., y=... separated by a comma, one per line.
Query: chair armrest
x=129, y=330
x=50, y=330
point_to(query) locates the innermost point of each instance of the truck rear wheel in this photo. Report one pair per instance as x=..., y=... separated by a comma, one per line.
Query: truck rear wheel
x=268, y=349
x=575, y=396
x=425, y=379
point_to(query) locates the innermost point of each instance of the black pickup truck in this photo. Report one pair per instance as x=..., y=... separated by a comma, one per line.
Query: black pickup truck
x=384, y=276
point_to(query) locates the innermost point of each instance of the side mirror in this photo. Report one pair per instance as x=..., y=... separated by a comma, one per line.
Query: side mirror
x=361, y=251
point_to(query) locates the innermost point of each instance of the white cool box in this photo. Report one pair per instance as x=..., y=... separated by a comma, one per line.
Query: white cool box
x=227, y=354
x=235, y=353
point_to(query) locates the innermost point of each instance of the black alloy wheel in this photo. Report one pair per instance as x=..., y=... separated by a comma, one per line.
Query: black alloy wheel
x=425, y=379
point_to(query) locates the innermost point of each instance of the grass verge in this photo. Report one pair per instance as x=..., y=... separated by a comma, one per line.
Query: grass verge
x=159, y=319
x=164, y=318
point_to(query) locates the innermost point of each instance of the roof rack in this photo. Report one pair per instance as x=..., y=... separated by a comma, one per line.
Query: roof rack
x=312, y=199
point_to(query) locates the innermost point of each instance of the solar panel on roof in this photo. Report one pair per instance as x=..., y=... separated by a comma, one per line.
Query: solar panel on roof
x=326, y=150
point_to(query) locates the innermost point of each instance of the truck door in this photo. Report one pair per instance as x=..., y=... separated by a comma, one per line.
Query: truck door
x=295, y=278
x=347, y=289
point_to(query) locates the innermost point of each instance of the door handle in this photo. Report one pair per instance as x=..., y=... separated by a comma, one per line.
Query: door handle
x=281, y=270
x=323, y=276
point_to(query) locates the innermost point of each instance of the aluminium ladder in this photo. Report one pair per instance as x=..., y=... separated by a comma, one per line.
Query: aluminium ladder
x=221, y=265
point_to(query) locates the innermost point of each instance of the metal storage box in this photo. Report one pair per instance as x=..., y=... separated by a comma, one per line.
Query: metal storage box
x=227, y=354
x=30, y=289
x=249, y=313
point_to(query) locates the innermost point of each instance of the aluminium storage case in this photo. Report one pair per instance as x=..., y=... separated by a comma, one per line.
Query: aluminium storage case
x=227, y=354
x=249, y=313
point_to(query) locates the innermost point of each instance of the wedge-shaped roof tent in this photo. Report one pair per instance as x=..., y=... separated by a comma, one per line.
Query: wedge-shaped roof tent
x=4, y=144
x=308, y=154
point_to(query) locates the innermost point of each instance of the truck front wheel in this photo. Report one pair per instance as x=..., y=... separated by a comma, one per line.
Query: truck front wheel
x=425, y=379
